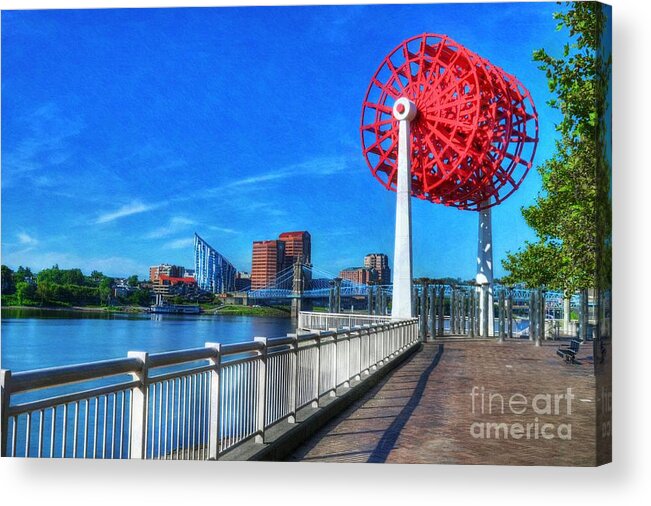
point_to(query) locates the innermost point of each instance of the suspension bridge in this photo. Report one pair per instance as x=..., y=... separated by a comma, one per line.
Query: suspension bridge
x=315, y=283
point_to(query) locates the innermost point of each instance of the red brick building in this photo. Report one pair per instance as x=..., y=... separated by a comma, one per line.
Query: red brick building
x=360, y=275
x=174, y=271
x=271, y=257
x=268, y=260
x=297, y=245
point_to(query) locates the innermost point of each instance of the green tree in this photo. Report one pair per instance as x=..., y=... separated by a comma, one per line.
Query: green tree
x=8, y=283
x=45, y=291
x=105, y=290
x=571, y=214
x=140, y=297
x=23, y=274
x=132, y=280
x=25, y=292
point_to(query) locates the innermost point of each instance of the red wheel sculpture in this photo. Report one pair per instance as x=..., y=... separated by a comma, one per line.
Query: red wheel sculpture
x=475, y=133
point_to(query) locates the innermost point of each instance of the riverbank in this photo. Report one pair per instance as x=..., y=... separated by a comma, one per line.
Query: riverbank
x=85, y=309
x=238, y=310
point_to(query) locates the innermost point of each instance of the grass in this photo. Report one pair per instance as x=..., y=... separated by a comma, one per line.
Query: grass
x=239, y=310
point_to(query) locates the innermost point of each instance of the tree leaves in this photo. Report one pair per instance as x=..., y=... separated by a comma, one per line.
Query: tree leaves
x=571, y=215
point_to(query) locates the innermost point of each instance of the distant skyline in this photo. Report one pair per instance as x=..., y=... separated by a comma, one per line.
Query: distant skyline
x=124, y=131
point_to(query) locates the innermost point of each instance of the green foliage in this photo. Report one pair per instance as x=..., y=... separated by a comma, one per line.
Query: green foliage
x=61, y=276
x=133, y=280
x=140, y=297
x=23, y=274
x=25, y=293
x=8, y=283
x=571, y=216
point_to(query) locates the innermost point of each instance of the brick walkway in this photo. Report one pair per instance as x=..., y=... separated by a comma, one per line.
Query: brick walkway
x=423, y=412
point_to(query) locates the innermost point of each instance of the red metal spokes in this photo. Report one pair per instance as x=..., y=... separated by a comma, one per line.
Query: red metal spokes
x=476, y=131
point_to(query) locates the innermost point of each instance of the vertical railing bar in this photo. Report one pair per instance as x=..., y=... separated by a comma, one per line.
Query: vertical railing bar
x=183, y=419
x=160, y=419
x=65, y=431
x=75, y=430
x=178, y=421
x=170, y=454
x=113, y=419
x=194, y=416
x=41, y=421
x=52, y=430
x=14, y=435
x=95, y=427
x=104, y=426
x=188, y=431
x=86, y=417
x=167, y=402
x=199, y=415
x=124, y=393
x=28, y=427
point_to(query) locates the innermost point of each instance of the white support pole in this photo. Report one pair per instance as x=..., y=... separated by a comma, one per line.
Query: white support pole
x=139, y=407
x=566, y=314
x=215, y=373
x=261, y=401
x=404, y=111
x=485, y=273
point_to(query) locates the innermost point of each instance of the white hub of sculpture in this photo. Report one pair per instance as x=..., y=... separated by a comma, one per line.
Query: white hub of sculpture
x=404, y=111
x=485, y=272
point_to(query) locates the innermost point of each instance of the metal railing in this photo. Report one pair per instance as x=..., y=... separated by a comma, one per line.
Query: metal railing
x=309, y=320
x=190, y=404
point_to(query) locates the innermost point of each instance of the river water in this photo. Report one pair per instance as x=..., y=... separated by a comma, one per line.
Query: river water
x=35, y=338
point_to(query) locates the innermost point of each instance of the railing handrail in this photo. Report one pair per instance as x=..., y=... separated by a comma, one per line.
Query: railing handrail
x=347, y=315
x=38, y=379
x=324, y=358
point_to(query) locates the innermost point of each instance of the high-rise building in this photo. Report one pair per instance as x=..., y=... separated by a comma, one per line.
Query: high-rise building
x=211, y=270
x=360, y=275
x=174, y=271
x=298, y=246
x=379, y=262
x=268, y=260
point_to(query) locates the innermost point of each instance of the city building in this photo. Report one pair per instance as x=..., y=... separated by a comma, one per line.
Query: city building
x=242, y=281
x=268, y=260
x=169, y=286
x=175, y=271
x=212, y=272
x=379, y=262
x=273, y=256
x=298, y=247
x=360, y=275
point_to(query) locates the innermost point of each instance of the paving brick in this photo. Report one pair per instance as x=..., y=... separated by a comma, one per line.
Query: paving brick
x=423, y=412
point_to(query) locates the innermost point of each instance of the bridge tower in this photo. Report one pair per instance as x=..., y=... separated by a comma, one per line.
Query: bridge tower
x=298, y=289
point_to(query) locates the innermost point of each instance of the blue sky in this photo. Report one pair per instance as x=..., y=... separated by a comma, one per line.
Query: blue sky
x=124, y=131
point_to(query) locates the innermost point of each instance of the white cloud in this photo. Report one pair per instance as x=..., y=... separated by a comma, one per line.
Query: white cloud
x=27, y=239
x=180, y=243
x=135, y=207
x=176, y=224
x=222, y=229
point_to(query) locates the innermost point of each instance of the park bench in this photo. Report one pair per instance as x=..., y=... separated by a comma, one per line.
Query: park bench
x=569, y=353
